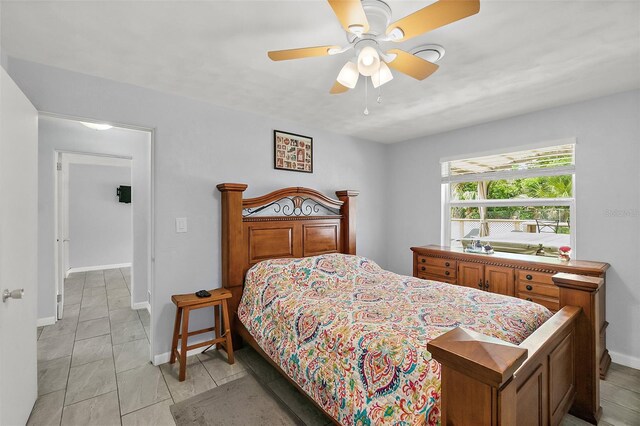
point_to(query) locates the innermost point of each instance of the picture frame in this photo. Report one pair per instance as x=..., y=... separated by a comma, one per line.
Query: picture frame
x=292, y=152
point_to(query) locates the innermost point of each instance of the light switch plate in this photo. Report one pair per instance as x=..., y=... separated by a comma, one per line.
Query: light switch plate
x=181, y=224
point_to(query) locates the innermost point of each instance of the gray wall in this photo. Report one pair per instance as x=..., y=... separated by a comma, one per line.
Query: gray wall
x=100, y=227
x=71, y=136
x=198, y=145
x=607, y=180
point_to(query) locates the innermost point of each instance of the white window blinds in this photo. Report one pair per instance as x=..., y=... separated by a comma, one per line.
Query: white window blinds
x=552, y=160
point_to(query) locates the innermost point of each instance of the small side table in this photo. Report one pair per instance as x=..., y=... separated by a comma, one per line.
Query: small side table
x=185, y=303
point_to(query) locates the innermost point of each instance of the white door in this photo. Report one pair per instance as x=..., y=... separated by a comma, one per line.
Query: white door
x=62, y=241
x=18, y=252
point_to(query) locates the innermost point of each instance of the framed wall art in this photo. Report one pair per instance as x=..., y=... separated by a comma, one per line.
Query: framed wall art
x=292, y=152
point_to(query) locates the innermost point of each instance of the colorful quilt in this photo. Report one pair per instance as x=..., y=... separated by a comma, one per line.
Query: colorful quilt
x=354, y=336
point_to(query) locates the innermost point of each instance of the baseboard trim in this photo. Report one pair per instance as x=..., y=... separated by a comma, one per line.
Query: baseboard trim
x=46, y=321
x=141, y=305
x=98, y=268
x=164, y=358
x=629, y=361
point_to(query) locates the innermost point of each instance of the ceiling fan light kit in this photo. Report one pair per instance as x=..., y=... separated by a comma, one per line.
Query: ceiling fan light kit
x=368, y=61
x=367, y=24
x=382, y=76
x=348, y=75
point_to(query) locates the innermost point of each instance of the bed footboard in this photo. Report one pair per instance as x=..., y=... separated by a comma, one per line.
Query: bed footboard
x=554, y=371
x=486, y=381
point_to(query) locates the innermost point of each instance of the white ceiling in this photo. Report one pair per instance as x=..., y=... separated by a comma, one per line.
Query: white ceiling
x=513, y=57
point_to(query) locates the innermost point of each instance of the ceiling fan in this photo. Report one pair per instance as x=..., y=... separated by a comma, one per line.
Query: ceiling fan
x=367, y=25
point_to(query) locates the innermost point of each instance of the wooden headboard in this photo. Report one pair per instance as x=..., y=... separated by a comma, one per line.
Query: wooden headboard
x=290, y=222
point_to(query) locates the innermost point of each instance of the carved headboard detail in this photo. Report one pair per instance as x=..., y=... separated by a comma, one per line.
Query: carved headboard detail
x=290, y=222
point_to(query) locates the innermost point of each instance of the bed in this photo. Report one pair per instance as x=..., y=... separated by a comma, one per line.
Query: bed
x=354, y=336
x=494, y=360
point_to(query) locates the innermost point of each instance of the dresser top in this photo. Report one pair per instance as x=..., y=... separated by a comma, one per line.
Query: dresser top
x=516, y=260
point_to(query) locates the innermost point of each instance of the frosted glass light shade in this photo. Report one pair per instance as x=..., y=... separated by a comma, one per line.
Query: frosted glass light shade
x=368, y=61
x=382, y=76
x=348, y=75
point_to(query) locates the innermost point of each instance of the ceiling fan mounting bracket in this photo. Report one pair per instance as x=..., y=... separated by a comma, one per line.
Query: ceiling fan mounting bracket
x=379, y=16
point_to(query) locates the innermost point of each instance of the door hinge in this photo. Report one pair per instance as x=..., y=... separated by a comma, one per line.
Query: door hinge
x=59, y=298
x=59, y=166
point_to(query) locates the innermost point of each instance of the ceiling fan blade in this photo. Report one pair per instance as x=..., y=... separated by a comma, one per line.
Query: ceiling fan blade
x=305, y=52
x=434, y=16
x=338, y=88
x=350, y=13
x=411, y=65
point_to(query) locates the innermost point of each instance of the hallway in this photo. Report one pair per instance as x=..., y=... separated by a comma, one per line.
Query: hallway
x=91, y=363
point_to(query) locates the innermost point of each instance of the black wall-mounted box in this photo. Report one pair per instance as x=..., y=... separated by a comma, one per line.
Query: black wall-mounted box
x=124, y=194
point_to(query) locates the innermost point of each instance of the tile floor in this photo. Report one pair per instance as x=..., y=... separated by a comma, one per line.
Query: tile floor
x=94, y=369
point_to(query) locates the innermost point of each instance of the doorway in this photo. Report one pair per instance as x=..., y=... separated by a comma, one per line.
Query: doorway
x=87, y=172
x=94, y=222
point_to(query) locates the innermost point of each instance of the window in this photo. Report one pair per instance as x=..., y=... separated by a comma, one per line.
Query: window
x=518, y=202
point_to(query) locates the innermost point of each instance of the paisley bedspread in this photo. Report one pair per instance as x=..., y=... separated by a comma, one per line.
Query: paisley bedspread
x=354, y=336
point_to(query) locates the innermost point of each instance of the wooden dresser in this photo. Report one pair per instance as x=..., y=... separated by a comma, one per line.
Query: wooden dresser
x=524, y=276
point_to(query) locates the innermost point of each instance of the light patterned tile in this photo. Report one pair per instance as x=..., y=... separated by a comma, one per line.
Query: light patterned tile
x=145, y=317
x=94, y=291
x=99, y=300
x=90, y=380
x=122, y=332
x=52, y=375
x=93, y=312
x=141, y=387
x=90, y=350
x=72, y=299
x=102, y=410
x=197, y=380
x=63, y=326
x=115, y=293
x=92, y=328
x=55, y=347
x=47, y=410
x=123, y=315
x=119, y=303
x=218, y=367
x=71, y=311
x=131, y=354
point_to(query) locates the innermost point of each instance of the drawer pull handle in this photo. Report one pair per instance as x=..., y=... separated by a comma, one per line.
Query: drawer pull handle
x=480, y=284
x=447, y=264
x=529, y=277
x=423, y=260
x=486, y=285
x=423, y=269
x=529, y=288
x=447, y=273
x=529, y=299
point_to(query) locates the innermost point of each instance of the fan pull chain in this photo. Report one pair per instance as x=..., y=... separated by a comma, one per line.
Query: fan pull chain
x=379, y=100
x=366, y=96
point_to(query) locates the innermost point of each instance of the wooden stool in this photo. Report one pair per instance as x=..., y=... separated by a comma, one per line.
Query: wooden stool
x=185, y=303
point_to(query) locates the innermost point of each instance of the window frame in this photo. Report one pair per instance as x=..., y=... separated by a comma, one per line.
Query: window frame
x=447, y=204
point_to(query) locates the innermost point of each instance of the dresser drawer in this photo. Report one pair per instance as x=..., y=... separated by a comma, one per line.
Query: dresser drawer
x=537, y=277
x=431, y=277
x=536, y=289
x=549, y=303
x=437, y=271
x=434, y=261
